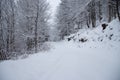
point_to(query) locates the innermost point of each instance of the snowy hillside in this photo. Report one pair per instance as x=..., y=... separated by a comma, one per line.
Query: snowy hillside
x=109, y=36
x=89, y=55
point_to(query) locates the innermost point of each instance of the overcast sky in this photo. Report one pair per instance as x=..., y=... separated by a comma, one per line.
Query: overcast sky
x=53, y=4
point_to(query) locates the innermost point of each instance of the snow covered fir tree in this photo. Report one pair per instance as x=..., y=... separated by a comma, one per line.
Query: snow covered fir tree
x=59, y=39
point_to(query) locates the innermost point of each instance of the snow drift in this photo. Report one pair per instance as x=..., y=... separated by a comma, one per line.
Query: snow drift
x=109, y=36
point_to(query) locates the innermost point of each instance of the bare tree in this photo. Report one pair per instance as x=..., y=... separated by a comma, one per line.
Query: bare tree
x=34, y=17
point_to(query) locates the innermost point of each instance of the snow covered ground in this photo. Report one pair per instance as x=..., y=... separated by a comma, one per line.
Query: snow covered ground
x=73, y=60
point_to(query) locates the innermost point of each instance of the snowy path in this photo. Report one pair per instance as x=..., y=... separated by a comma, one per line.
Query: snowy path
x=65, y=62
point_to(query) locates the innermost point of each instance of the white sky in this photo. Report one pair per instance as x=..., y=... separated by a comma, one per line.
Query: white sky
x=53, y=4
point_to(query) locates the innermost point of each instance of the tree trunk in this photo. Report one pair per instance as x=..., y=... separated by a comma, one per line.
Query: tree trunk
x=36, y=27
x=117, y=8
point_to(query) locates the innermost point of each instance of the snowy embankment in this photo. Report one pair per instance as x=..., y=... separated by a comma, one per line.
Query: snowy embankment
x=110, y=36
x=73, y=60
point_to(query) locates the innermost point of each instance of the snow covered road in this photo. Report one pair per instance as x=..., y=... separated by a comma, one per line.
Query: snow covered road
x=65, y=62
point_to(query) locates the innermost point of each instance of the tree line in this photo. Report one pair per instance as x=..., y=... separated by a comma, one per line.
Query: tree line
x=78, y=14
x=23, y=26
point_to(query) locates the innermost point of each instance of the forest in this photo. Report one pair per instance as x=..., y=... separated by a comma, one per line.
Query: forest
x=59, y=39
x=25, y=27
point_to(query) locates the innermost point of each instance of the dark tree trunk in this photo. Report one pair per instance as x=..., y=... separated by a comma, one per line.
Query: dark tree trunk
x=117, y=8
x=36, y=28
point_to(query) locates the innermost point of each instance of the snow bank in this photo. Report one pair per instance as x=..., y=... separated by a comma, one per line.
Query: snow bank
x=110, y=36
